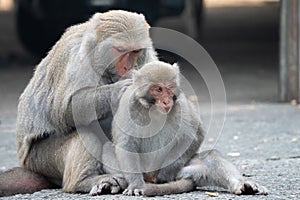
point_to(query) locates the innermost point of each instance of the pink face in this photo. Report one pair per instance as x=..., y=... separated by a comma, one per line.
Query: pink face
x=125, y=59
x=163, y=95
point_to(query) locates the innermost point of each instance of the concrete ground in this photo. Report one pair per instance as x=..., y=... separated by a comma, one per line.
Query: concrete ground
x=260, y=136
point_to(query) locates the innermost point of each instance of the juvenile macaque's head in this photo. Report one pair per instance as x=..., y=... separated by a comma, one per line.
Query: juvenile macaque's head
x=157, y=83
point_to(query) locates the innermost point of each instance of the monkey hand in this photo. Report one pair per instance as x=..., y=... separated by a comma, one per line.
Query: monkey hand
x=109, y=184
x=118, y=90
x=248, y=187
x=134, y=191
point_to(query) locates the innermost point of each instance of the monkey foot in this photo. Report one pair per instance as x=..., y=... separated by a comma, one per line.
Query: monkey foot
x=109, y=185
x=249, y=187
x=133, y=192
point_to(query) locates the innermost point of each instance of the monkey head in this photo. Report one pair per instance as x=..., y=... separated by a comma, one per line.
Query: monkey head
x=157, y=83
x=117, y=41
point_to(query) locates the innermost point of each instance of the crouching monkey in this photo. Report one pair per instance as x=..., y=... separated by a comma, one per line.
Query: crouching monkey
x=156, y=135
x=86, y=65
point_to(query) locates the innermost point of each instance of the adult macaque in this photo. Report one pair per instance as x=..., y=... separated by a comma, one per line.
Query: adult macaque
x=85, y=64
x=156, y=134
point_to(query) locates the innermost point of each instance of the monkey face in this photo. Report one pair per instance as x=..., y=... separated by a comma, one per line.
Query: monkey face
x=125, y=59
x=163, y=94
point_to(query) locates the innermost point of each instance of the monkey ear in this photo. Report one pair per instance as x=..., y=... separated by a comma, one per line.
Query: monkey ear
x=144, y=102
x=87, y=44
x=176, y=66
x=144, y=18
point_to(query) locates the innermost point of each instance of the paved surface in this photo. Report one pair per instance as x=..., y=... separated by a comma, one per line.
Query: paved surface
x=260, y=136
x=266, y=136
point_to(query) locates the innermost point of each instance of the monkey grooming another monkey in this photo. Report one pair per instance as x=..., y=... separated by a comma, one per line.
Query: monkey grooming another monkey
x=85, y=64
x=89, y=64
x=156, y=135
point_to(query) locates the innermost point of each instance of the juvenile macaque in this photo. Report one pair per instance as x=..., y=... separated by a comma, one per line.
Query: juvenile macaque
x=156, y=134
x=85, y=64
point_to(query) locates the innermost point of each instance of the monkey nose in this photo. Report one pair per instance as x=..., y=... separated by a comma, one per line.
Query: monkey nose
x=167, y=105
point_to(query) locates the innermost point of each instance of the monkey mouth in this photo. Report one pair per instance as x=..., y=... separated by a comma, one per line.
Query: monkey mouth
x=163, y=109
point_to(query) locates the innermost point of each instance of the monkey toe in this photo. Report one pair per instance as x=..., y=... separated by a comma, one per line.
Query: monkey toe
x=115, y=189
x=109, y=185
x=99, y=189
x=263, y=190
x=133, y=192
x=138, y=192
x=250, y=188
x=260, y=189
x=128, y=192
x=94, y=190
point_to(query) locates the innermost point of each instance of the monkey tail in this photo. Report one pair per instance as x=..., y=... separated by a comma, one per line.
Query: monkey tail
x=174, y=187
x=20, y=181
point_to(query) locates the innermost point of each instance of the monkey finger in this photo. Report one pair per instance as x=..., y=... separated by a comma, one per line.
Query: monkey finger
x=138, y=192
x=128, y=192
x=249, y=188
x=99, y=189
x=238, y=191
x=263, y=190
x=256, y=188
x=94, y=191
x=125, y=86
x=115, y=189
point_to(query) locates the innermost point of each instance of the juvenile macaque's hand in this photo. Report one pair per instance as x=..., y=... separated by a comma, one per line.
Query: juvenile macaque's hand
x=134, y=192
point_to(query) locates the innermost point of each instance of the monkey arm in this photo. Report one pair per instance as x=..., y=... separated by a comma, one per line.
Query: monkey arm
x=130, y=165
x=93, y=103
x=88, y=104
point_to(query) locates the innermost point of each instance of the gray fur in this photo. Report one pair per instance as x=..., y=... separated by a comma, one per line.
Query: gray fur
x=180, y=136
x=138, y=149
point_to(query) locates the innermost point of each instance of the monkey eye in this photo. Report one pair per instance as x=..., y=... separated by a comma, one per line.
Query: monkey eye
x=158, y=89
x=137, y=51
x=121, y=49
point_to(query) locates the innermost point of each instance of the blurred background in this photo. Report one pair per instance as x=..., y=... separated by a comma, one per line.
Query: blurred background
x=242, y=37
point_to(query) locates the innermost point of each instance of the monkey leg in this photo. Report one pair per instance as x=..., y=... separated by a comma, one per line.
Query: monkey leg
x=20, y=181
x=41, y=168
x=210, y=168
x=83, y=172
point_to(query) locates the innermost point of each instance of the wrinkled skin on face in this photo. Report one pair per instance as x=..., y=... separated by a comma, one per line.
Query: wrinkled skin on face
x=163, y=93
x=125, y=59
